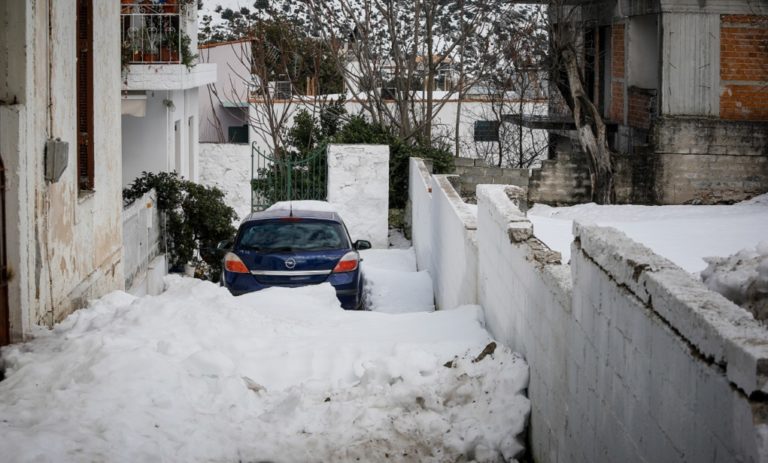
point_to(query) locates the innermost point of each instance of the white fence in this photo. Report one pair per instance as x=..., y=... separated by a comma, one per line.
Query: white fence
x=630, y=358
x=143, y=258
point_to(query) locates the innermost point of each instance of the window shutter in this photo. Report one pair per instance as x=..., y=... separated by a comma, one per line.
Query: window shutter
x=85, y=162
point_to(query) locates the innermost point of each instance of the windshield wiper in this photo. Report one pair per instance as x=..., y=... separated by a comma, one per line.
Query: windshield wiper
x=279, y=249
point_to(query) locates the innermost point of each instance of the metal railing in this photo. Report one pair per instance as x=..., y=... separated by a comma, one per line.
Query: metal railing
x=151, y=31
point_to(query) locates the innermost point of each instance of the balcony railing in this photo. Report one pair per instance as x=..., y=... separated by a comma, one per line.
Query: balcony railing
x=151, y=32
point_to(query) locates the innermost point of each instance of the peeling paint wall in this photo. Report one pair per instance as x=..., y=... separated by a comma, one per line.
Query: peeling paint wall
x=65, y=247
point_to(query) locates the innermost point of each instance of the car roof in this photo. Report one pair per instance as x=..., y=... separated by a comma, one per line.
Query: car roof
x=281, y=213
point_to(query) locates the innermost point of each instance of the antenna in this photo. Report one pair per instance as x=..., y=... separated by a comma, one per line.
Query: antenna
x=290, y=207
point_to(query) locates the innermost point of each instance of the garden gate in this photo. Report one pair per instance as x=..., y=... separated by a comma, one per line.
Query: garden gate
x=287, y=176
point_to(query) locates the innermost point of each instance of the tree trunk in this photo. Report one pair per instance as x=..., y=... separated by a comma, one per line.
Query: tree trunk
x=591, y=132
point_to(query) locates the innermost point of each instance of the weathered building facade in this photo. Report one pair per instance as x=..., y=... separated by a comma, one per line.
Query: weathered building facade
x=683, y=87
x=60, y=151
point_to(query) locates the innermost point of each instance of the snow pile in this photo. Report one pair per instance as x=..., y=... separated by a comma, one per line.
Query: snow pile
x=393, y=285
x=196, y=374
x=683, y=234
x=303, y=205
x=742, y=278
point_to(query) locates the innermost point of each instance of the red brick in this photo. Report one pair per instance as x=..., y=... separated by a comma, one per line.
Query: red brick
x=617, y=51
x=744, y=102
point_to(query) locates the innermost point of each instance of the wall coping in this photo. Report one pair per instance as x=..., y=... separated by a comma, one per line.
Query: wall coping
x=521, y=234
x=714, y=327
x=424, y=173
x=462, y=210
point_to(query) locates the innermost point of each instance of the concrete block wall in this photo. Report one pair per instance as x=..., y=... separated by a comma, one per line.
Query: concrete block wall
x=527, y=304
x=630, y=358
x=561, y=181
x=709, y=161
x=454, y=246
x=475, y=172
x=678, y=367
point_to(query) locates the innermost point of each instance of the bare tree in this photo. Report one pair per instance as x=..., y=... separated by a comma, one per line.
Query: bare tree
x=283, y=67
x=566, y=32
x=397, y=52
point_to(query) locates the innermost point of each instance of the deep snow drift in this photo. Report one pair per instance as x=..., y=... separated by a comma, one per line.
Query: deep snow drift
x=742, y=278
x=683, y=234
x=196, y=374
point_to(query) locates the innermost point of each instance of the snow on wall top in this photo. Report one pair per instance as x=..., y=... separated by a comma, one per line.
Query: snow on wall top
x=303, y=205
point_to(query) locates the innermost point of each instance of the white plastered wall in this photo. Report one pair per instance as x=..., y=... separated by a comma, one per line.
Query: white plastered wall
x=149, y=142
x=358, y=185
x=454, y=246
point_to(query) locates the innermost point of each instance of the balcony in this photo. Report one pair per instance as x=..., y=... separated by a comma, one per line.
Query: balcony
x=153, y=32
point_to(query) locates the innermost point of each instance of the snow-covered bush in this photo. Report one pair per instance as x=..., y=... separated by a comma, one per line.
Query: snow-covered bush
x=742, y=278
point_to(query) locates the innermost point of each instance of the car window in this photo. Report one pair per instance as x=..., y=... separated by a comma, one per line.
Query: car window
x=301, y=235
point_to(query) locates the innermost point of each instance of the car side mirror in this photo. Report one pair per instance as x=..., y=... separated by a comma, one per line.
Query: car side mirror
x=362, y=244
x=224, y=245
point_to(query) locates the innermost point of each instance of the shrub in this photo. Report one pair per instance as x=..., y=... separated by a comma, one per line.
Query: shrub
x=196, y=218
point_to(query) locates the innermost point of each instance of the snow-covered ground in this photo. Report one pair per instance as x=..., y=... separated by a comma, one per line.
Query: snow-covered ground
x=196, y=374
x=392, y=283
x=683, y=234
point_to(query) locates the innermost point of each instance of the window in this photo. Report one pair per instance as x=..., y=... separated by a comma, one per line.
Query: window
x=292, y=235
x=487, y=130
x=238, y=134
x=84, y=30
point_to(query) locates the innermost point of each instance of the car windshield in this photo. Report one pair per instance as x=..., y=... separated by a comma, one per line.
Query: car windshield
x=293, y=235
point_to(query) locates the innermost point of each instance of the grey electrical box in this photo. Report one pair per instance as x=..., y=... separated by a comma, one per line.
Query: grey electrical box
x=56, y=159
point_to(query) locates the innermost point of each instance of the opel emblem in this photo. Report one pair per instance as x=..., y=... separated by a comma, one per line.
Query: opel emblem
x=290, y=263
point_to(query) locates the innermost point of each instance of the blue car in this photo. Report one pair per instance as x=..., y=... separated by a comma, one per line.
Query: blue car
x=293, y=248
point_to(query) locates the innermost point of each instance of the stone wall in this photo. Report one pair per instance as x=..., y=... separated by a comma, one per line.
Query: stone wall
x=228, y=167
x=358, y=186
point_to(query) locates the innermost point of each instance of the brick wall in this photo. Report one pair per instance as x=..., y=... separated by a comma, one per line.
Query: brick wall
x=641, y=102
x=616, y=110
x=744, y=67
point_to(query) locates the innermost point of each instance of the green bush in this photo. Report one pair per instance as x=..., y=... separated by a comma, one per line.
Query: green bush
x=196, y=218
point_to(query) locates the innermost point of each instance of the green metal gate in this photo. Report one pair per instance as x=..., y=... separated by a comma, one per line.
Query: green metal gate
x=287, y=176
